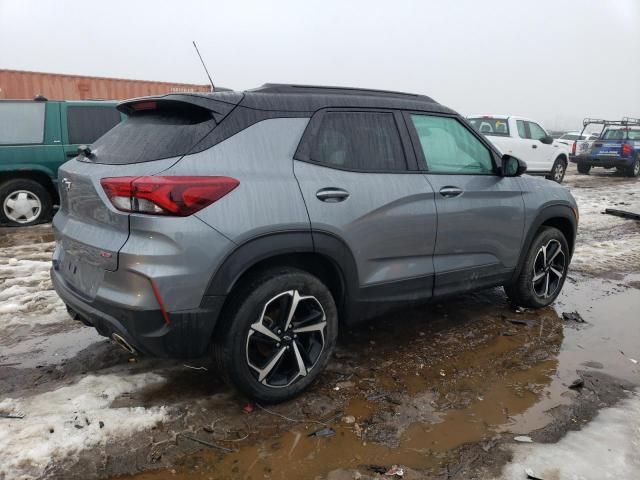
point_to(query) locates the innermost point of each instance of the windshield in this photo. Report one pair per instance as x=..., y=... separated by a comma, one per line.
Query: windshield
x=490, y=126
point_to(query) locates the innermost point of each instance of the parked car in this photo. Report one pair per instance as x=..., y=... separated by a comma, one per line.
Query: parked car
x=527, y=140
x=36, y=137
x=583, y=141
x=255, y=223
x=618, y=146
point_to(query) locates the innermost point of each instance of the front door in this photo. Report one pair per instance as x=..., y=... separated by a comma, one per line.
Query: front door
x=480, y=213
x=358, y=187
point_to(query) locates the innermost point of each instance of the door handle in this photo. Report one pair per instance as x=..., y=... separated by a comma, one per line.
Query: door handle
x=450, y=192
x=534, y=146
x=332, y=195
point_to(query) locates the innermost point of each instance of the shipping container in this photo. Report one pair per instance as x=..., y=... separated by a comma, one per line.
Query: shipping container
x=15, y=84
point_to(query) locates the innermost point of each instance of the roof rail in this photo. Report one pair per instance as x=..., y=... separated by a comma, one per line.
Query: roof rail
x=319, y=89
x=624, y=121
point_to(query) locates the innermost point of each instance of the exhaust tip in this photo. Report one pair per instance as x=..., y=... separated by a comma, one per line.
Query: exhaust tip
x=123, y=343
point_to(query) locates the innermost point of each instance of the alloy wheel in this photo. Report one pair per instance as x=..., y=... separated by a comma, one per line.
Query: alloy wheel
x=548, y=269
x=558, y=172
x=22, y=206
x=287, y=340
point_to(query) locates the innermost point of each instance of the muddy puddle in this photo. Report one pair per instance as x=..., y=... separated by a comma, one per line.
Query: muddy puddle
x=456, y=374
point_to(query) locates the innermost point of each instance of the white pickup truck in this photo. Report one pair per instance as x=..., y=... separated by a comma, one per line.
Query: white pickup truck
x=527, y=140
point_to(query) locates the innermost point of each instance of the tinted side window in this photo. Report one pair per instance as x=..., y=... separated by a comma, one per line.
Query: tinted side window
x=536, y=131
x=522, y=130
x=449, y=147
x=359, y=141
x=87, y=124
x=21, y=123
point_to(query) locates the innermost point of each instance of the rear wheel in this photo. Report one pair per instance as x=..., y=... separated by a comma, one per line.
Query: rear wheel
x=278, y=333
x=584, y=169
x=634, y=169
x=24, y=202
x=558, y=170
x=543, y=272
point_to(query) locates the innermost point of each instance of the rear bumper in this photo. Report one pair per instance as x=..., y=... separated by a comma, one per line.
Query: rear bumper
x=604, y=161
x=187, y=335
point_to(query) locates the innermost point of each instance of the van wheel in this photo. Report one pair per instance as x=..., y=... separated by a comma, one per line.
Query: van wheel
x=24, y=202
x=277, y=334
x=543, y=272
x=582, y=168
x=634, y=169
x=558, y=170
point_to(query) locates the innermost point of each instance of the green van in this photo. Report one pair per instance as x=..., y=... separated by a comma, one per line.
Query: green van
x=36, y=137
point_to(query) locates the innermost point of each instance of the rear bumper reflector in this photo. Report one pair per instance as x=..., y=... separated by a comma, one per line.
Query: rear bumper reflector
x=156, y=294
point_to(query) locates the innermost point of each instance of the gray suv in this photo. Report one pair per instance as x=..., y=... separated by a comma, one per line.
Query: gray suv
x=251, y=225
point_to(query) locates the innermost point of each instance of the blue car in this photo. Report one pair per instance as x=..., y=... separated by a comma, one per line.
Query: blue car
x=618, y=146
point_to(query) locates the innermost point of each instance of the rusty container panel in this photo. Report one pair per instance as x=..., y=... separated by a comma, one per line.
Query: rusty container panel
x=15, y=84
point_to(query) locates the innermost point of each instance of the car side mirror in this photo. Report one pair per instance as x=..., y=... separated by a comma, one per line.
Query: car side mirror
x=548, y=140
x=512, y=166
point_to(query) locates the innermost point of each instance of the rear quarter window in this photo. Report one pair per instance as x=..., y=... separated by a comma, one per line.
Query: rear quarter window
x=88, y=123
x=21, y=123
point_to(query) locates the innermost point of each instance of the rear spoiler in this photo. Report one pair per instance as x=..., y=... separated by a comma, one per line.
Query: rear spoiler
x=219, y=104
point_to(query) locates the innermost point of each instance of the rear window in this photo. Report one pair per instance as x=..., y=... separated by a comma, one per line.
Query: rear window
x=86, y=124
x=621, y=134
x=169, y=129
x=572, y=136
x=490, y=126
x=21, y=123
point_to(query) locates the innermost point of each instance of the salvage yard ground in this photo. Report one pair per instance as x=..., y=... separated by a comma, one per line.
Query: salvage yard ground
x=441, y=390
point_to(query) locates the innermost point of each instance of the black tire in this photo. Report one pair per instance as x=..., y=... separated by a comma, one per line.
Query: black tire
x=266, y=295
x=584, y=169
x=34, y=192
x=558, y=170
x=634, y=169
x=525, y=290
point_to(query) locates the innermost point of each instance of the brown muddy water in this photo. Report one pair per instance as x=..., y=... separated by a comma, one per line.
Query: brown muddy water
x=455, y=375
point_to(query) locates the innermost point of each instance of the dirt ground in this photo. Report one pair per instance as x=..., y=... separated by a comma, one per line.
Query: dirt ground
x=441, y=390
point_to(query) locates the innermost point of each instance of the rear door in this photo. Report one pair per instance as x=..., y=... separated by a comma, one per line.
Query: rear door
x=480, y=214
x=357, y=185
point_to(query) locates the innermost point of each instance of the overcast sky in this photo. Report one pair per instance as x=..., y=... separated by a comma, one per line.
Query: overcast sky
x=553, y=60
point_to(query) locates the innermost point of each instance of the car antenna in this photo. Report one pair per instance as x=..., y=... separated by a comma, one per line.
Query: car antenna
x=205, y=67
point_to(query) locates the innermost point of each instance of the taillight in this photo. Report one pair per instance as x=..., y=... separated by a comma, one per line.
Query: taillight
x=626, y=149
x=573, y=148
x=173, y=196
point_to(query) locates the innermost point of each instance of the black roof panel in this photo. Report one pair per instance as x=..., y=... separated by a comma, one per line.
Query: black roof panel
x=309, y=98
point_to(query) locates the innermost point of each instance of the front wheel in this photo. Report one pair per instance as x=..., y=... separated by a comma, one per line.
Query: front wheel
x=634, y=169
x=278, y=333
x=543, y=272
x=24, y=202
x=558, y=170
x=584, y=169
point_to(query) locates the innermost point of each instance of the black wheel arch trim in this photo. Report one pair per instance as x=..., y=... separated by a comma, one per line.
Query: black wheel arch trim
x=550, y=212
x=270, y=245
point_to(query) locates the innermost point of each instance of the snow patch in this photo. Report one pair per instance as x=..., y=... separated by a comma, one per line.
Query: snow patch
x=607, y=448
x=27, y=296
x=50, y=434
